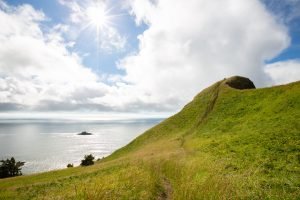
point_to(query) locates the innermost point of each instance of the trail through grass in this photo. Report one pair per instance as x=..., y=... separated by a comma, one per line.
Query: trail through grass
x=225, y=144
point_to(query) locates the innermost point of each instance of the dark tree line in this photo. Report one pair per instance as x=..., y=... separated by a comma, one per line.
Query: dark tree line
x=10, y=168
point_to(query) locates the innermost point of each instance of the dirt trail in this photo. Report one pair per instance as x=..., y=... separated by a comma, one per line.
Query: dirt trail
x=211, y=104
x=208, y=109
x=166, y=194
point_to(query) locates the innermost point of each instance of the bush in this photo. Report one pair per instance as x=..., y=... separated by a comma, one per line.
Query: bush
x=70, y=165
x=10, y=168
x=88, y=160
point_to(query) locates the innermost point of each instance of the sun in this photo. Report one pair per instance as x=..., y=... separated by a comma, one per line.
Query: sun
x=98, y=16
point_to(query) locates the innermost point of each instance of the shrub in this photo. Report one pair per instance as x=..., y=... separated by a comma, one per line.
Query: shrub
x=10, y=168
x=88, y=160
x=70, y=165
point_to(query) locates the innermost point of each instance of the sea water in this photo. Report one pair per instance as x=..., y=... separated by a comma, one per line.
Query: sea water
x=46, y=145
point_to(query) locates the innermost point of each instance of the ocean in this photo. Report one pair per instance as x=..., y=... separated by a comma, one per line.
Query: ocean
x=46, y=145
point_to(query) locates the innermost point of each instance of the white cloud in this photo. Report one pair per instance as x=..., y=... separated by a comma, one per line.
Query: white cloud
x=283, y=72
x=187, y=46
x=36, y=66
x=77, y=13
x=191, y=44
x=142, y=10
x=111, y=40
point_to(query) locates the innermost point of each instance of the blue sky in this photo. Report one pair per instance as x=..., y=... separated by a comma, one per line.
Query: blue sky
x=146, y=57
x=125, y=24
x=287, y=13
x=98, y=60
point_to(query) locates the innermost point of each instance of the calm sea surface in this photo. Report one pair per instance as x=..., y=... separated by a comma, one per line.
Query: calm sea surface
x=47, y=145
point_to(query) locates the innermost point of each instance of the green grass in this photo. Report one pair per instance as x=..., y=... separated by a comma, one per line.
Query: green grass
x=225, y=144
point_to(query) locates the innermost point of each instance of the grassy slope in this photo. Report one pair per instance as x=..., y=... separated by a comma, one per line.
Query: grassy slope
x=226, y=143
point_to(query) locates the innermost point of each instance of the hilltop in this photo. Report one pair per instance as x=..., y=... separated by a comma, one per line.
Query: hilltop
x=231, y=141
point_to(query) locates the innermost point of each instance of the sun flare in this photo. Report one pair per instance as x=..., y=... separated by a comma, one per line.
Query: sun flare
x=98, y=16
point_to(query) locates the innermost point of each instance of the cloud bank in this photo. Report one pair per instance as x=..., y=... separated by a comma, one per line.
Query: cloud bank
x=35, y=65
x=187, y=46
x=191, y=44
x=283, y=72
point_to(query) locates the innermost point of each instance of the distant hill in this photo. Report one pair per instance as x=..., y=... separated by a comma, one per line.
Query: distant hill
x=231, y=142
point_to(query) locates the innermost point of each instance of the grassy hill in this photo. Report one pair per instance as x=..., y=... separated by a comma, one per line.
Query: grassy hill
x=230, y=142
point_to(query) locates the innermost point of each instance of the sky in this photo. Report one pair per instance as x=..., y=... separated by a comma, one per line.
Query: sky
x=149, y=57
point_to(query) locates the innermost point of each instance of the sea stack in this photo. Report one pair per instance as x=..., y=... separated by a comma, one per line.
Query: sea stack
x=84, y=133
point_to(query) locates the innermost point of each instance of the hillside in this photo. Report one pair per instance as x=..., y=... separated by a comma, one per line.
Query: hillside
x=231, y=142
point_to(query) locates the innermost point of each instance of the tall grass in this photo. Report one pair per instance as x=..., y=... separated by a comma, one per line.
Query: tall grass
x=239, y=144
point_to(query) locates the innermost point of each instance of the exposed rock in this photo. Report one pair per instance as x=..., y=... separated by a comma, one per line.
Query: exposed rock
x=239, y=82
x=84, y=133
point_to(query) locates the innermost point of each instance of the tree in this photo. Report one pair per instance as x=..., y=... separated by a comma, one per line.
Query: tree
x=70, y=165
x=88, y=160
x=10, y=168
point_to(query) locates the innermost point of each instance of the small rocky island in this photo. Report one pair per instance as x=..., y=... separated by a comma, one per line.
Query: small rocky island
x=84, y=133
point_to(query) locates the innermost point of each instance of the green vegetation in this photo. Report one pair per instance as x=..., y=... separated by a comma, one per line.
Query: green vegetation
x=10, y=168
x=70, y=165
x=88, y=160
x=225, y=144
